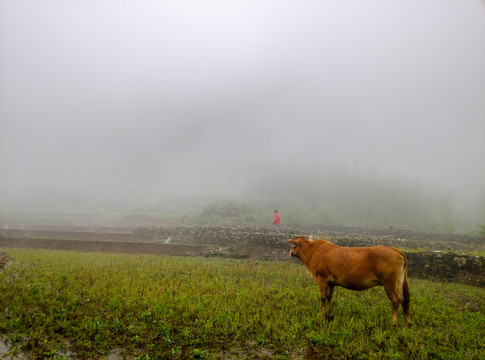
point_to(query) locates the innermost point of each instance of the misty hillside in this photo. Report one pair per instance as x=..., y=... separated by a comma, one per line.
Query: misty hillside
x=331, y=194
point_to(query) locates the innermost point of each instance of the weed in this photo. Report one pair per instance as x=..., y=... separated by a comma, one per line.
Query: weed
x=156, y=307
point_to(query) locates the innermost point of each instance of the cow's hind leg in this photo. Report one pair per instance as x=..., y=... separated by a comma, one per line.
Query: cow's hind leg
x=393, y=295
x=329, y=293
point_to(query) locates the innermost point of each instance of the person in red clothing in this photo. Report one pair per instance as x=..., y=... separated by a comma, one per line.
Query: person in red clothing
x=276, y=221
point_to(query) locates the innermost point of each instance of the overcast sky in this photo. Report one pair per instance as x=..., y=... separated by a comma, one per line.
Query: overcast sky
x=145, y=91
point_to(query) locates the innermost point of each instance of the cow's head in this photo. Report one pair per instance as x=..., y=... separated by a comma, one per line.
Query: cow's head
x=296, y=245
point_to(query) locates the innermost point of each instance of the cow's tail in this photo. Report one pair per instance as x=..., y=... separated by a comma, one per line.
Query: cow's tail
x=405, y=299
x=402, y=283
x=403, y=287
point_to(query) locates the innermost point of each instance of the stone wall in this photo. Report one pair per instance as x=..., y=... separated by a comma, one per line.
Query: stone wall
x=467, y=269
x=213, y=235
x=254, y=243
x=344, y=236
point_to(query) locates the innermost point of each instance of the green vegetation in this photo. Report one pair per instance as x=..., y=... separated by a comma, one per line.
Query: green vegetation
x=232, y=211
x=481, y=227
x=337, y=193
x=157, y=307
x=481, y=231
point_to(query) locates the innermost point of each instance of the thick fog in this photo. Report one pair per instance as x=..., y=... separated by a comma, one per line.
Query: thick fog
x=193, y=96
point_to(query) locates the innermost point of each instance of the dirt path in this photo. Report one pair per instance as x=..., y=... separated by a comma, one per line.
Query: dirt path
x=104, y=246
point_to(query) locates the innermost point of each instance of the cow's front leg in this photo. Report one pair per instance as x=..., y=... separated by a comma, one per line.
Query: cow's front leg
x=326, y=292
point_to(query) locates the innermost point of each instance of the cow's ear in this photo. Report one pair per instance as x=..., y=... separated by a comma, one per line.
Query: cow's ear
x=292, y=242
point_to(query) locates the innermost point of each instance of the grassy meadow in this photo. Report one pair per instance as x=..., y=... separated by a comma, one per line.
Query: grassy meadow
x=56, y=304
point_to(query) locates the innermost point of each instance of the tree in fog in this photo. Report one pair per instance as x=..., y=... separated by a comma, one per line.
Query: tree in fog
x=481, y=226
x=448, y=213
x=340, y=194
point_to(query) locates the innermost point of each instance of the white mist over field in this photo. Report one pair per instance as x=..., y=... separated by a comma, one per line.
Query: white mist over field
x=195, y=97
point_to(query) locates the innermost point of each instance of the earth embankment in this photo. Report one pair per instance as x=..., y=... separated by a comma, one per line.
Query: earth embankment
x=444, y=257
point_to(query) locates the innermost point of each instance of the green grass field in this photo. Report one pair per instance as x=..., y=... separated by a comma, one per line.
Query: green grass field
x=57, y=304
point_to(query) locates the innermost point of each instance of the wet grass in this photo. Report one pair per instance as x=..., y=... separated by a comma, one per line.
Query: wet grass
x=156, y=307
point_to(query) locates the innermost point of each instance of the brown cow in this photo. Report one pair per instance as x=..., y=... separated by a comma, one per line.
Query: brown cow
x=358, y=268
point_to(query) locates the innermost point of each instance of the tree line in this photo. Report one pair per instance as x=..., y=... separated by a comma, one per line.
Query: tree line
x=351, y=195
